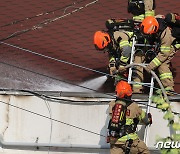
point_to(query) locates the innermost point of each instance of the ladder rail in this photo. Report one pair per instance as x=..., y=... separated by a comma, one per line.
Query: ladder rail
x=146, y=132
x=131, y=60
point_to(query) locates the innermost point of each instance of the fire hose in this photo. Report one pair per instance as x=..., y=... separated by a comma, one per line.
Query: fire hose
x=155, y=76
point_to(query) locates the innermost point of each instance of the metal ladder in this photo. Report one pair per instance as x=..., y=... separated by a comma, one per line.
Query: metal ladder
x=151, y=84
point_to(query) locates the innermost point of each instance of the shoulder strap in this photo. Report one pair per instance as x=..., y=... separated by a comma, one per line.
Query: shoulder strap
x=127, y=102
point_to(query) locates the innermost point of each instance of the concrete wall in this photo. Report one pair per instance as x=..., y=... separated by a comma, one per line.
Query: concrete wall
x=71, y=127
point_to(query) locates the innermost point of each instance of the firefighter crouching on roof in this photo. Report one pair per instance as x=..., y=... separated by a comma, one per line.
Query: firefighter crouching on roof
x=117, y=44
x=141, y=8
x=122, y=134
x=168, y=46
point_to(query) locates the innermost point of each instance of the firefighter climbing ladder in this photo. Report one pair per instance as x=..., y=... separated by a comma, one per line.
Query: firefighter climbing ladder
x=151, y=84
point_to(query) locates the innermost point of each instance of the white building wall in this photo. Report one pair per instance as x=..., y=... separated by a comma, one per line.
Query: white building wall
x=72, y=125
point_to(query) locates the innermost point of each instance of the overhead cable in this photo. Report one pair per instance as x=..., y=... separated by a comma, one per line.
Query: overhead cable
x=59, y=121
x=42, y=14
x=69, y=63
x=48, y=21
x=75, y=102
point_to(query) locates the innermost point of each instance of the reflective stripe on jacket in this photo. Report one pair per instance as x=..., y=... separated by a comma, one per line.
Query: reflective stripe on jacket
x=121, y=39
x=166, y=49
x=134, y=111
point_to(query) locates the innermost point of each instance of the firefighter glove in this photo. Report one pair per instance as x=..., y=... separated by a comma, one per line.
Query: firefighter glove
x=147, y=120
x=121, y=68
x=112, y=69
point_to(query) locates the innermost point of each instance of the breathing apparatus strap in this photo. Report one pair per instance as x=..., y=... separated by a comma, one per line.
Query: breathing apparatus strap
x=117, y=125
x=128, y=147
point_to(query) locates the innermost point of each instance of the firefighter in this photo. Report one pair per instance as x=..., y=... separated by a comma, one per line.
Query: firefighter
x=122, y=134
x=121, y=31
x=143, y=54
x=141, y=8
x=118, y=46
x=172, y=19
x=168, y=46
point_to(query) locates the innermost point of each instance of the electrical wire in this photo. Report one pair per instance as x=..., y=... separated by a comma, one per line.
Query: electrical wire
x=48, y=21
x=75, y=102
x=60, y=60
x=55, y=59
x=61, y=121
x=69, y=63
x=63, y=81
x=55, y=120
x=52, y=119
x=47, y=104
x=35, y=27
x=41, y=14
x=50, y=77
x=51, y=125
x=42, y=96
x=63, y=62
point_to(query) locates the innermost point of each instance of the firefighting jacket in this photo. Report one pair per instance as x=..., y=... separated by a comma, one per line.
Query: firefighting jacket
x=121, y=46
x=149, y=6
x=133, y=111
x=166, y=49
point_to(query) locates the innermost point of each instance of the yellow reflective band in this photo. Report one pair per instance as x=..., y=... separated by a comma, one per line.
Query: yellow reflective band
x=112, y=59
x=124, y=59
x=177, y=46
x=137, y=85
x=140, y=17
x=121, y=116
x=124, y=43
x=165, y=48
x=130, y=34
x=149, y=13
x=142, y=116
x=166, y=76
x=156, y=61
x=132, y=136
x=130, y=44
x=129, y=121
x=169, y=88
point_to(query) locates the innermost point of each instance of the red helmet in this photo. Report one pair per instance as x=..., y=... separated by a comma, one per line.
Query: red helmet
x=123, y=89
x=149, y=25
x=101, y=40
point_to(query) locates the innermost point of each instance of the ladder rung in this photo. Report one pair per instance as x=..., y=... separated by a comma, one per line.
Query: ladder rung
x=147, y=45
x=142, y=83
